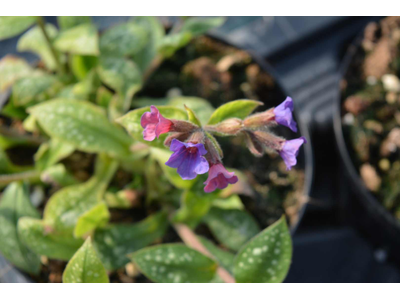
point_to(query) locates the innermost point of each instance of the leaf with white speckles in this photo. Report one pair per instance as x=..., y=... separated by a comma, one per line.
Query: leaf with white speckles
x=83, y=125
x=34, y=41
x=200, y=25
x=81, y=39
x=131, y=121
x=174, y=263
x=39, y=238
x=123, y=39
x=85, y=267
x=115, y=241
x=266, y=257
x=13, y=25
x=11, y=69
x=224, y=258
x=66, y=206
x=36, y=87
x=15, y=204
x=67, y=22
x=231, y=227
x=97, y=216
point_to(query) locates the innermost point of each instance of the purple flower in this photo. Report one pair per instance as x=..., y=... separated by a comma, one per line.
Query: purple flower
x=283, y=114
x=289, y=151
x=219, y=177
x=154, y=124
x=188, y=159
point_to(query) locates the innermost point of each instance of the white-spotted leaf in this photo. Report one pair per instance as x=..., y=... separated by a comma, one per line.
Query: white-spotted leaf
x=15, y=204
x=267, y=256
x=11, y=69
x=97, y=216
x=40, y=239
x=174, y=263
x=199, y=25
x=83, y=125
x=116, y=241
x=82, y=39
x=11, y=26
x=34, y=41
x=123, y=39
x=232, y=227
x=85, y=266
x=234, y=109
x=51, y=152
x=224, y=258
x=171, y=43
x=67, y=22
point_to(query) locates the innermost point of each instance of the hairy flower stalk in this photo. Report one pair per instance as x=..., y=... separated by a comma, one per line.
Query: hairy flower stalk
x=195, y=150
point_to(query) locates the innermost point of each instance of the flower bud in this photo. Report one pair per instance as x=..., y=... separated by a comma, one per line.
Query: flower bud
x=229, y=127
x=269, y=140
x=213, y=156
x=183, y=126
x=255, y=147
x=180, y=136
x=266, y=118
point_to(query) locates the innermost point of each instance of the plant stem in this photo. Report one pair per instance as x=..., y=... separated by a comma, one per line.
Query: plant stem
x=56, y=56
x=19, y=138
x=29, y=175
x=191, y=240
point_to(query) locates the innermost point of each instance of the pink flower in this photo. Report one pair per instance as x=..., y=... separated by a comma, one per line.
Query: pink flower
x=219, y=177
x=154, y=124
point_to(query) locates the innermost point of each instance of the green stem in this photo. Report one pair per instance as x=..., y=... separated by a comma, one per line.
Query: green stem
x=42, y=25
x=31, y=176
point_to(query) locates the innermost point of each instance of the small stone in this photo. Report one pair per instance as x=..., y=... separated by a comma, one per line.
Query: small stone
x=391, y=83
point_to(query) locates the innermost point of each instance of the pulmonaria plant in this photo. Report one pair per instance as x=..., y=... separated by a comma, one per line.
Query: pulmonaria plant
x=197, y=152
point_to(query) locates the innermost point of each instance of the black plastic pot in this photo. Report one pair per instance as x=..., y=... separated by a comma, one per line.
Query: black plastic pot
x=364, y=209
x=305, y=161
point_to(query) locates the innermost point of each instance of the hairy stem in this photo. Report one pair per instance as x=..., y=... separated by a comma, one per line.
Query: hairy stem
x=31, y=176
x=191, y=240
x=55, y=53
x=18, y=137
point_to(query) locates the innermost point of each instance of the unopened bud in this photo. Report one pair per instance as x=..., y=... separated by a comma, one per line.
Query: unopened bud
x=213, y=156
x=255, y=147
x=197, y=137
x=269, y=140
x=266, y=118
x=183, y=126
x=229, y=127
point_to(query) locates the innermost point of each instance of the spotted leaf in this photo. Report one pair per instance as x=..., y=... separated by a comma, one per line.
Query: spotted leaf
x=85, y=267
x=174, y=263
x=11, y=69
x=14, y=205
x=232, y=227
x=11, y=26
x=83, y=125
x=266, y=257
x=116, y=241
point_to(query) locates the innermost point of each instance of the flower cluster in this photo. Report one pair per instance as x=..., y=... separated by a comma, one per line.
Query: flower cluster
x=194, y=152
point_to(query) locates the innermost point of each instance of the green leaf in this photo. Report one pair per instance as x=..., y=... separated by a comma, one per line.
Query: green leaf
x=81, y=65
x=68, y=204
x=131, y=122
x=192, y=116
x=40, y=239
x=232, y=202
x=11, y=26
x=34, y=41
x=201, y=107
x=58, y=175
x=51, y=152
x=234, y=109
x=67, y=22
x=85, y=267
x=120, y=74
x=198, y=26
x=97, y=216
x=162, y=156
x=115, y=242
x=11, y=69
x=169, y=44
x=266, y=257
x=121, y=199
x=194, y=206
x=174, y=263
x=233, y=227
x=103, y=96
x=81, y=39
x=15, y=204
x=225, y=259
x=35, y=88
x=155, y=32
x=123, y=39
x=83, y=125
